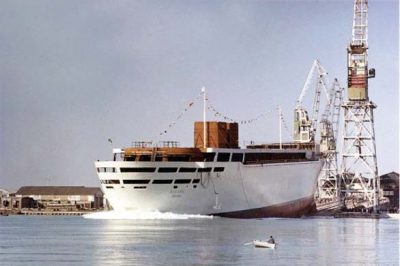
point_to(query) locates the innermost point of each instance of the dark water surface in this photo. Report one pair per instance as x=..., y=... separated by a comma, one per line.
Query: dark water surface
x=27, y=240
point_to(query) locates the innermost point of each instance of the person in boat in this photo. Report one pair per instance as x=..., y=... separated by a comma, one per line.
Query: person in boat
x=271, y=240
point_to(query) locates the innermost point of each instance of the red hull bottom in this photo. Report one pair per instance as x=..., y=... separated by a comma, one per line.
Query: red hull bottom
x=292, y=209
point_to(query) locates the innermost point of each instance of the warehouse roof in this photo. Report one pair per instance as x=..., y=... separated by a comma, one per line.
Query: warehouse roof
x=391, y=177
x=57, y=190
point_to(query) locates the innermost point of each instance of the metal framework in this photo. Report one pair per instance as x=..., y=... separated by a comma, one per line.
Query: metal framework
x=360, y=179
x=360, y=23
x=328, y=180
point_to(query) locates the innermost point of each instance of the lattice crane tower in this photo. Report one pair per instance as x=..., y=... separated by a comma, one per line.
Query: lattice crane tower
x=360, y=178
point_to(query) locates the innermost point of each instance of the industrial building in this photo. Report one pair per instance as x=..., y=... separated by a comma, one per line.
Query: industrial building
x=390, y=190
x=58, y=198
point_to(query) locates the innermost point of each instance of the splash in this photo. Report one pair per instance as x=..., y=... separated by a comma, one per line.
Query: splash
x=143, y=215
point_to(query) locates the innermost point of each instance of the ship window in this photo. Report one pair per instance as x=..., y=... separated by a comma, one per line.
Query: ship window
x=182, y=181
x=194, y=186
x=175, y=186
x=137, y=181
x=195, y=181
x=167, y=169
x=106, y=169
x=109, y=187
x=223, y=157
x=162, y=181
x=145, y=158
x=219, y=169
x=204, y=170
x=159, y=158
x=110, y=181
x=258, y=157
x=138, y=169
x=179, y=158
x=130, y=158
x=139, y=187
x=273, y=157
x=237, y=157
x=209, y=156
x=187, y=170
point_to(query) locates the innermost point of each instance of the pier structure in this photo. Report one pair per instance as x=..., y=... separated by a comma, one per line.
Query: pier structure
x=360, y=180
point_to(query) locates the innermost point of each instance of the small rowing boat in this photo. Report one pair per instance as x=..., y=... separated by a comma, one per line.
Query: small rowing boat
x=263, y=244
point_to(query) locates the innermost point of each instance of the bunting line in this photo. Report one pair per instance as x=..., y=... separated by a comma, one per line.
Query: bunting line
x=185, y=110
x=230, y=119
x=285, y=125
x=220, y=115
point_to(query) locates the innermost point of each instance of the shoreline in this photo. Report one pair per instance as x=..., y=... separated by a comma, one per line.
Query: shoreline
x=332, y=214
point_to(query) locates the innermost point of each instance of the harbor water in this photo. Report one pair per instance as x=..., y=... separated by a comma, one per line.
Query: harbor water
x=195, y=240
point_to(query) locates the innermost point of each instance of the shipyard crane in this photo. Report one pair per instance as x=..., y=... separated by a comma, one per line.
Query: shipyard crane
x=304, y=127
x=329, y=123
x=361, y=185
x=328, y=179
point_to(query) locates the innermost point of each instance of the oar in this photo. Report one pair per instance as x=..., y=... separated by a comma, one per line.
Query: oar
x=246, y=244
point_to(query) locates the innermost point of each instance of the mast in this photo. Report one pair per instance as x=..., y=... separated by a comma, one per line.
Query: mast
x=204, y=117
x=280, y=127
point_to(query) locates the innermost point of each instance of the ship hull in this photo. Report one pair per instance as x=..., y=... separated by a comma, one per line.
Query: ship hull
x=239, y=191
x=293, y=209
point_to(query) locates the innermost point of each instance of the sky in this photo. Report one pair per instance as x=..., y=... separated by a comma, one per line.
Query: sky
x=75, y=73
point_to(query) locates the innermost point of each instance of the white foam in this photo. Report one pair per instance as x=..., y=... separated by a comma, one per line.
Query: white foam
x=143, y=215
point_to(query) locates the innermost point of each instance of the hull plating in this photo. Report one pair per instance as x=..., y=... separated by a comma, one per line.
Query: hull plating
x=240, y=191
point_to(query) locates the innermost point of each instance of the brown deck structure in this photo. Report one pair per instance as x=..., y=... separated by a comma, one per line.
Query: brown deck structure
x=224, y=137
x=175, y=154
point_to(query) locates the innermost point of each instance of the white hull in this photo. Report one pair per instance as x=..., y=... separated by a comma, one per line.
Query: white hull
x=246, y=191
x=263, y=244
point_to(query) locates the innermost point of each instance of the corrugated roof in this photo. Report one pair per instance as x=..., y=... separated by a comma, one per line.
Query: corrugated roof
x=57, y=190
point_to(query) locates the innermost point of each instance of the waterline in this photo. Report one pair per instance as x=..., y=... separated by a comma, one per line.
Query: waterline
x=143, y=215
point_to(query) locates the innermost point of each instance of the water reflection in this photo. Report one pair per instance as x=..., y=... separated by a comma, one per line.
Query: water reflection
x=220, y=241
x=173, y=242
x=216, y=241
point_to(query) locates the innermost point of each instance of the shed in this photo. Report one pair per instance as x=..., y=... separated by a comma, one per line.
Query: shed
x=60, y=197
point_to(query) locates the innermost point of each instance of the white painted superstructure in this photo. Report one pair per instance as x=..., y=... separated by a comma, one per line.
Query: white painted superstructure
x=229, y=188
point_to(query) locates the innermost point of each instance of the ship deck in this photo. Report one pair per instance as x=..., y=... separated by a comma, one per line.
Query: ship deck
x=253, y=154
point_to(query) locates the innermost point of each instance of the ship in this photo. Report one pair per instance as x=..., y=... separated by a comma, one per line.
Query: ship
x=214, y=177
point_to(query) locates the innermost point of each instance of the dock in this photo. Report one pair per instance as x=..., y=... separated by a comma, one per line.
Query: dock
x=48, y=212
x=360, y=215
x=327, y=208
x=52, y=213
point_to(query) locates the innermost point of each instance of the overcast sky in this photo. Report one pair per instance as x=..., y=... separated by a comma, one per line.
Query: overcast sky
x=75, y=73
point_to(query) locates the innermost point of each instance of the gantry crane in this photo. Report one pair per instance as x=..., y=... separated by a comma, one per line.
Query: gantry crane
x=360, y=187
